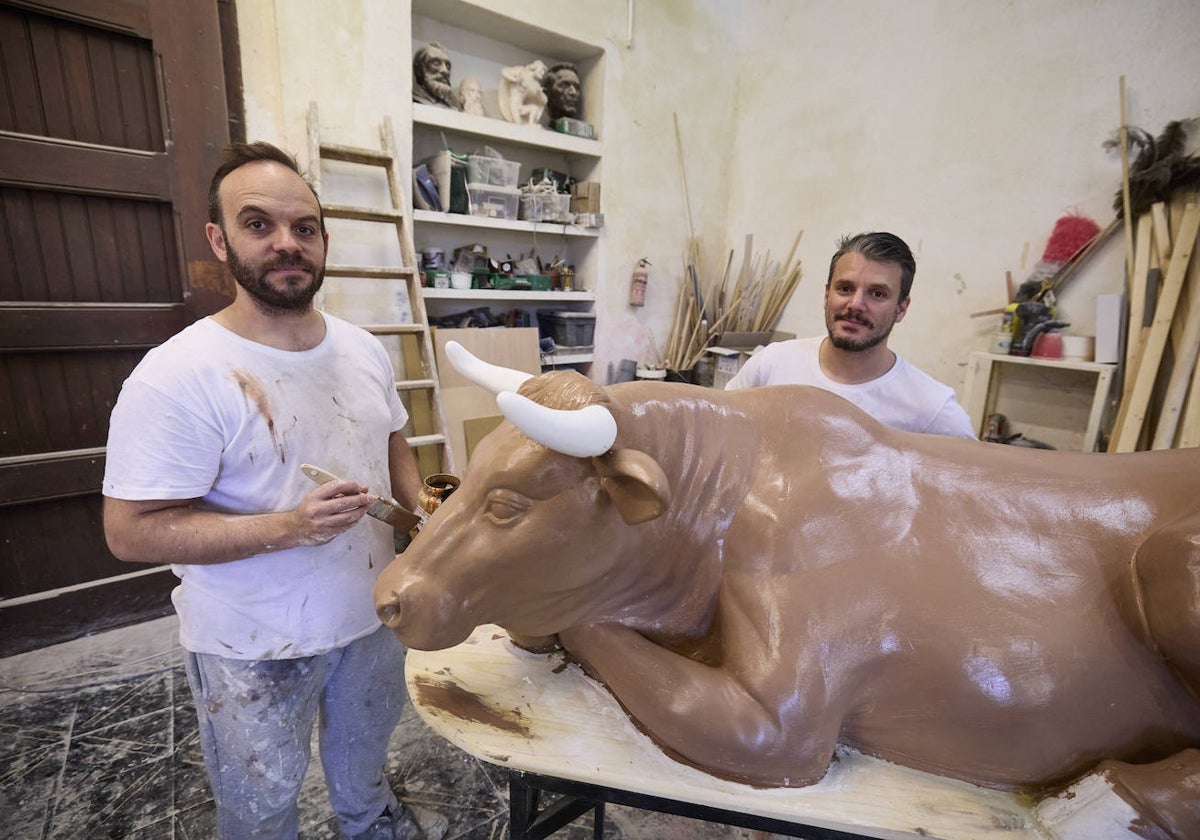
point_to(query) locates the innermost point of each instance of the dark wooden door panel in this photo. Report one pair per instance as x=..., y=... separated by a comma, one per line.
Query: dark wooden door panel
x=46, y=58
x=112, y=113
x=60, y=402
x=59, y=247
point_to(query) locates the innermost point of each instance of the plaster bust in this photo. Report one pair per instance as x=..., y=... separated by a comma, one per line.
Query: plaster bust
x=431, y=77
x=470, y=96
x=562, y=91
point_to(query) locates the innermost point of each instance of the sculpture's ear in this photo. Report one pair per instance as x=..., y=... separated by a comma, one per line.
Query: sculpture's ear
x=636, y=484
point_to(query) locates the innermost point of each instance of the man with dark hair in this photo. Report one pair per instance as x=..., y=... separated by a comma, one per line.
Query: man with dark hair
x=431, y=77
x=562, y=91
x=275, y=600
x=866, y=295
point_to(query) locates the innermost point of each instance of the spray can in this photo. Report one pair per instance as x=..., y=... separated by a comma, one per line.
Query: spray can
x=1002, y=343
x=637, y=286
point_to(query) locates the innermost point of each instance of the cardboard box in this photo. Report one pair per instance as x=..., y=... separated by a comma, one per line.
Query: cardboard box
x=735, y=348
x=585, y=197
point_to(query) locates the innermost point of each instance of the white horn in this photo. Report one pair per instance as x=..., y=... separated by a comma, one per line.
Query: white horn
x=582, y=432
x=492, y=377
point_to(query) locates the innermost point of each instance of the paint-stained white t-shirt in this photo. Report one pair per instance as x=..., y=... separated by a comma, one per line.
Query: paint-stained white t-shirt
x=904, y=398
x=210, y=415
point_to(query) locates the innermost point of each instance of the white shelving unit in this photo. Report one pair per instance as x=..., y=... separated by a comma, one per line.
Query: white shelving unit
x=480, y=43
x=1058, y=401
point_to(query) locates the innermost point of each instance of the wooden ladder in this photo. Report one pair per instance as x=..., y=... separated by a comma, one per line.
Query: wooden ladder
x=430, y=440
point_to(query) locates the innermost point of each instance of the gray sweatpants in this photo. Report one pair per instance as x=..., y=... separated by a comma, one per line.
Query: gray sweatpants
x=256, y=719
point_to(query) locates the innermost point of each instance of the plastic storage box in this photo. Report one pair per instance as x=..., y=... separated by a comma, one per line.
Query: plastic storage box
x=568, y=329
x=493, y=172
x=494, y=202
x=546, y=207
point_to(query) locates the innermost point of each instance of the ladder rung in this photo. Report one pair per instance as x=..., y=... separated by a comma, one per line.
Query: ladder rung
x=363, y=214
x=426, y=440
x=414, y=384
x=394, y=329
x=354, y=154
x=378, y=272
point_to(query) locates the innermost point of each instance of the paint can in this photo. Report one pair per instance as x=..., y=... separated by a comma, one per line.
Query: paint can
x=435, y=490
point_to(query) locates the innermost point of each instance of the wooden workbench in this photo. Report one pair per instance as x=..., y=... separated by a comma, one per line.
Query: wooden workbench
x=545, y=720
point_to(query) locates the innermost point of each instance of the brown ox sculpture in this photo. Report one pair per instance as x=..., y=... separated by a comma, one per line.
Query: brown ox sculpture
x=759, y=575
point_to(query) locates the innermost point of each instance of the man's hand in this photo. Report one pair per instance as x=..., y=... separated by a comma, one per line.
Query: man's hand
x=329, y=510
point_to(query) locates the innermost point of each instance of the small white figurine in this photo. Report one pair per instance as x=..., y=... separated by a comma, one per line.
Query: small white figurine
x=522, y=99
x=470, y=96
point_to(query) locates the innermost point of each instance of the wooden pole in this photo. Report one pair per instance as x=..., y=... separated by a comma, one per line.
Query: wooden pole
x=1127, y=210
x=1181, y=373
x=1156, y=341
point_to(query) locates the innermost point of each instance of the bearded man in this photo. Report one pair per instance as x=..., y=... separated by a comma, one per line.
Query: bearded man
x=276, y=613
x=431, y=77
x=866, y=294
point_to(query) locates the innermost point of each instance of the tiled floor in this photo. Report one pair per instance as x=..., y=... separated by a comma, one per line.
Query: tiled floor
x=98, y=740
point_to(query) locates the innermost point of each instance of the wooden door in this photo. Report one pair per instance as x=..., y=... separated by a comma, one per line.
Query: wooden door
x=112, y=115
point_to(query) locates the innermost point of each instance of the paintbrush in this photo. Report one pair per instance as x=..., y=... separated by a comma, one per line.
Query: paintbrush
x=385, y=510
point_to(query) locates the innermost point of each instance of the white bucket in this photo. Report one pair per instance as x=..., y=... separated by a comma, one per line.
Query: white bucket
x=1078, y=348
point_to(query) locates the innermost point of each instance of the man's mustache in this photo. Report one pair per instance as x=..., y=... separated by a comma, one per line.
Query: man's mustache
x=854, y=320
x=289, y=261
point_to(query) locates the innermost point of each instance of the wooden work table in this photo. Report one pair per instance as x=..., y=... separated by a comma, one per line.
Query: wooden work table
x=546, y=722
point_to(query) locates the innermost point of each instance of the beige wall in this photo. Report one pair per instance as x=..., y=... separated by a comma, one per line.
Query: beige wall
x=967, y=128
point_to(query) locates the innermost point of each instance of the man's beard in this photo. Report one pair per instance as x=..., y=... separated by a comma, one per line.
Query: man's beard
x=857, y=345
x=254, y=280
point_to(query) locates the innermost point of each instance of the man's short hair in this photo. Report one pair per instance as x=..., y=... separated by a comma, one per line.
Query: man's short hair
x=236, y=155
x=879, y=247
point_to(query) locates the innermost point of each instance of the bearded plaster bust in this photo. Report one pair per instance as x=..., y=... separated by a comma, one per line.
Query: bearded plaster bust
x=431, y=77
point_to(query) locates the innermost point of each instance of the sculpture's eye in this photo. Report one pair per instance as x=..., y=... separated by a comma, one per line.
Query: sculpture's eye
x=504, y=507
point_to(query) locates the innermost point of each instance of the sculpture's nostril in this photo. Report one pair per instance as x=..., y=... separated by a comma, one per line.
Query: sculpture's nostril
x=389, y=614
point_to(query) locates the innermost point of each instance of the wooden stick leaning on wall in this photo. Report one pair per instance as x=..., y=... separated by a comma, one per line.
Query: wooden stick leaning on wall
x=1143, y=291
x=1127, y=212
x=1184, y=366
x=1130, y=422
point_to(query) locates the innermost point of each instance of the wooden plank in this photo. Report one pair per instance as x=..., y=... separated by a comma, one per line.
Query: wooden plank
x=477, y=428
x=127, y=16
x=354, y=154
x=1162, y=231
x=978, y=390
x=363, y=214
x=577, y=730
x=1189, y=411
x=515, y=348
x=1189, y=428
x=81, y=167
x=1091, y=434
x=1137, y=295
x=1139, y=397
x=87, y=326
x=24, y=480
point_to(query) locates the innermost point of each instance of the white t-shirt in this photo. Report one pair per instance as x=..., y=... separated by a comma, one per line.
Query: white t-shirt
x=213, y=416
x=905, y=397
